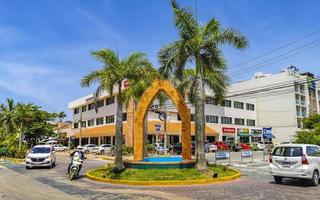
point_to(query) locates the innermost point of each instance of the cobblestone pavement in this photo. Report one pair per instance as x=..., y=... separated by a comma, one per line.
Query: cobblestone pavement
x=255, y=183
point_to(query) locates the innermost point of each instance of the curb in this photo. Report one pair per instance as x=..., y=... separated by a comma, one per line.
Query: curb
x=164, y=183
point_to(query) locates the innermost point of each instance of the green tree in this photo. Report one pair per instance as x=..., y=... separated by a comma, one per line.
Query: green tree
x=8, y=116
x=113, y=73
x=200, y=45
x=310, y=134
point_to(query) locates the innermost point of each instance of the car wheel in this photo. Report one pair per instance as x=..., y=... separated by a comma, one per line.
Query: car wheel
x=27, y=167
x=278, y=179
x=315, y=178
x=102, y=152
x=86, y=152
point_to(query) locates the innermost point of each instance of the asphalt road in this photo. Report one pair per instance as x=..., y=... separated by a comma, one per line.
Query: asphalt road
x=255, y=183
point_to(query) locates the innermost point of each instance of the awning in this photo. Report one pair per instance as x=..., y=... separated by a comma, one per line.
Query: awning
x=244, y=134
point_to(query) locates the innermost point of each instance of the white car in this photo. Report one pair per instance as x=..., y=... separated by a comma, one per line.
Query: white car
x=295, y=161
x=90, y=148
x=260, y=145
x=105, y=149
x=41, y=156
x=213, y=148
x=60, y=147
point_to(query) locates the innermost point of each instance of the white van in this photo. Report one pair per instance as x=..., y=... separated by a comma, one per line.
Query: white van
x=295, y=161
x=52, y=143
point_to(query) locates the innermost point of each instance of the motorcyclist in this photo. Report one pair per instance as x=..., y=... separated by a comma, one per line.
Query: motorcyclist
x=75, y=153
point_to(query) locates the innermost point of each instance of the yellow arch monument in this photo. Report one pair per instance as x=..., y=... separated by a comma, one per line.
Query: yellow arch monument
x=142, y=110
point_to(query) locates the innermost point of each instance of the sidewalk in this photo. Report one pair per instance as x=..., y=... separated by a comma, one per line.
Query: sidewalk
x=14, y=186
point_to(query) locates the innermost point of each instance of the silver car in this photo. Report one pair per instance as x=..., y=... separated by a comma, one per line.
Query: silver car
x=295, y=161
x=41, y=156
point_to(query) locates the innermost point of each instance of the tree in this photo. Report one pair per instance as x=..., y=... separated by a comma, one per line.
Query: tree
x=311, y=132
x=8, y=116
x=113, y=73
x=199, y=45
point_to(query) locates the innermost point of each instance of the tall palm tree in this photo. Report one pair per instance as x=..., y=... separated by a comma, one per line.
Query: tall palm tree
x=112, y=74
x=199, y=45
x=24, y=115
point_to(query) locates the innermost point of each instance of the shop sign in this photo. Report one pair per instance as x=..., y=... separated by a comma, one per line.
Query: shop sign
x=228, y=130
x=267, y=132
x=222, y=154
x=246, y=153
x=243, y=130
x=158, y=127
x=256, y=131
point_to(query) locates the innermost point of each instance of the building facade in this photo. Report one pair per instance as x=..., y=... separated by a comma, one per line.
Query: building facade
x=267, y=107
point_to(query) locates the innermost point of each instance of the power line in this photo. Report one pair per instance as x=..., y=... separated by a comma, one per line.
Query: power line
x=280, y=57
x=277, y=49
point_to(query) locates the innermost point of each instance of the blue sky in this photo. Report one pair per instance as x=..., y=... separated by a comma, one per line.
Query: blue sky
x=45, y=45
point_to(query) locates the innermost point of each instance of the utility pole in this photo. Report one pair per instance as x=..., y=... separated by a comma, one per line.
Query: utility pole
x=80, y=125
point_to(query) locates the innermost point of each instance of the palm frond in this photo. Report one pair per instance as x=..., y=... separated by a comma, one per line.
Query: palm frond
x=232, y=37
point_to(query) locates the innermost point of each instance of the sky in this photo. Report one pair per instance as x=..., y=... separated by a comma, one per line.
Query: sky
x=45, y=45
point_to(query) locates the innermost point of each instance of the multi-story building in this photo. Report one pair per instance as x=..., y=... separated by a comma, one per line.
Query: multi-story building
x=233, y=120
x=282, y=100
x=253, y=108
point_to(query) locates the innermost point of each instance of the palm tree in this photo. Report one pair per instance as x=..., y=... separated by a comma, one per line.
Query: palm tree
x=113, y=73
x=199, y=45
x=8, y=116
x=24, y=115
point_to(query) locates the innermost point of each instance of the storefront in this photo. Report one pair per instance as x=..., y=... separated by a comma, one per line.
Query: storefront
x=228, y=134
x=256, y=135
x=244, y=135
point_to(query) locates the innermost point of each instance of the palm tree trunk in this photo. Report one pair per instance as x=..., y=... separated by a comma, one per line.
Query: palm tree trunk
x=118, y=162
x=20, y=139
x=201, y=163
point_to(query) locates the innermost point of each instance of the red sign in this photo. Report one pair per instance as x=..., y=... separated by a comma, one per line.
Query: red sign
x=228, y=130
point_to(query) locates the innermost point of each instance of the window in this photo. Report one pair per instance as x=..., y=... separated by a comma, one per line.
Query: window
x=239, y=121
x=110, y=100
x=250, y=106
x=124, y=116
x=288, y=151
x=226, y=120
x=100, y=103
x=84, y=108
x=237, y=104
x=226, y=103
x=75, y=125
x=76, y=111
x=91, y=106
x=212, y=119
x=211, y=100
x=91, y=122
x=83, y=124
x=109, y=119
x=251, y=122
x=99, y=121
x=313, y=151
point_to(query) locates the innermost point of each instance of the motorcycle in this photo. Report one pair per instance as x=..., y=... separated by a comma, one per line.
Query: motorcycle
x=75, y=167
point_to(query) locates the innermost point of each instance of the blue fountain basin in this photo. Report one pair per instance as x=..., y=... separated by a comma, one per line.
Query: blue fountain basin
x=160, y=163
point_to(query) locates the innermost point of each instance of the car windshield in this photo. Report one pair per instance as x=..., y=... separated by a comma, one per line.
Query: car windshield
x=288, y=151
x=107, y=145
x=40, y=150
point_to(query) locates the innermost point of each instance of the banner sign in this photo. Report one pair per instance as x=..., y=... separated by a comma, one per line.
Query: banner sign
x=256, y=131
x=222, y=154
x=246, y=153
x=228, y=130
x=267, y=132
x=243, y=130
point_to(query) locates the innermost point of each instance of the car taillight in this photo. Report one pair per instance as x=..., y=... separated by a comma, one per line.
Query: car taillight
x=270, y=158
x=304, y=160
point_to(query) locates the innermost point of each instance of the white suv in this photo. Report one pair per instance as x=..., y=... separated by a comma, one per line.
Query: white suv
x=41, y=156
x=295, y=161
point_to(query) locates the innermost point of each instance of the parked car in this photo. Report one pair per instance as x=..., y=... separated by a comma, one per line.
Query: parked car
x=211, y=147
x=295, y=161
x=105, y=149
x=245, y=146
x=41, y=156
x=221, y=145
x=90, y=148
x=235, y=147
x=253, y=146
x=177, y=148
x=260, y=145
x=60, y=147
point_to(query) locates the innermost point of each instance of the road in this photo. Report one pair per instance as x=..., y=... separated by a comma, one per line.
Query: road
x=255, y=183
